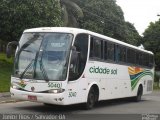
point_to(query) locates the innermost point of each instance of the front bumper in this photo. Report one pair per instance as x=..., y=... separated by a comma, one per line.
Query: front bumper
x=57, y=99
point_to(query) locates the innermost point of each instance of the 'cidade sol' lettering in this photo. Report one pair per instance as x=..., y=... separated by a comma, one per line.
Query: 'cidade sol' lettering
x=102, y=70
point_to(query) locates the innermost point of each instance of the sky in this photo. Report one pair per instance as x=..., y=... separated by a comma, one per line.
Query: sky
x=140, y=12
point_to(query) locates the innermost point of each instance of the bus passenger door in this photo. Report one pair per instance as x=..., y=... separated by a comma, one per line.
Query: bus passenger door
x=76, y=79
x=76, y=91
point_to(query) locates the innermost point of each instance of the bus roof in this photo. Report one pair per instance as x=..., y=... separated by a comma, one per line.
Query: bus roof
x=77, y=31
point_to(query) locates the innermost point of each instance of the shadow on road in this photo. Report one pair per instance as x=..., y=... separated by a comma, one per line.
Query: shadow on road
x=116, y=102
x=42, y=108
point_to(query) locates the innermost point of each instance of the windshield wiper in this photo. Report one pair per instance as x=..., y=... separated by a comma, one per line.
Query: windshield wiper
x=43, y=70
x=28, y=66
x=42, y=66
x=28, y=51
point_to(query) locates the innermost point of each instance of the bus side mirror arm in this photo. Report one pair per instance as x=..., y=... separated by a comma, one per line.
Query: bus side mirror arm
x=9, y=50
x=73, y=48
x=73, y=65
x=74, y=59
x=74, y=55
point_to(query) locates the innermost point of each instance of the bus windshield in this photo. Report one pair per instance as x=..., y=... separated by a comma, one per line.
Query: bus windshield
x=43, y=56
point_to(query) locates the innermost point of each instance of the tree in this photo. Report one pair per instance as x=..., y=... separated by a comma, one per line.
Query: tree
x=17, y=15
x=151, y=40
x=131, y=35
x=71, y=12
x=106, y=17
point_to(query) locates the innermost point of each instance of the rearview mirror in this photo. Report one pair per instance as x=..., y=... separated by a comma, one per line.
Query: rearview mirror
x=9, y=48
x=74, y=65
x=73, y=48
x=74, y=57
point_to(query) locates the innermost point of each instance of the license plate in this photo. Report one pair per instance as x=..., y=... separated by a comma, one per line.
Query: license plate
x=32, y=98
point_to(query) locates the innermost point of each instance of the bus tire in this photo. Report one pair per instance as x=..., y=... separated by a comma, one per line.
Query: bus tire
x=139, y=94
x=91, y=100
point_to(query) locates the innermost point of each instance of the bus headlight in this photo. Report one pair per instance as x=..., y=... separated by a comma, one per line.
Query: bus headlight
x=14, y=86
x=55, y=91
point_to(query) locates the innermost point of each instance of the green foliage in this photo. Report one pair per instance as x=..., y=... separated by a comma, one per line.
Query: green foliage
x=102, y=16
x=17, y=15
x=6, y=66
x=106, y=17
x=151, y=41
x=131, y=35
x=156, y=86
x=70, y=13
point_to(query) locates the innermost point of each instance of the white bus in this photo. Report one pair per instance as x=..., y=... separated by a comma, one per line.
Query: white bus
x=64, y=66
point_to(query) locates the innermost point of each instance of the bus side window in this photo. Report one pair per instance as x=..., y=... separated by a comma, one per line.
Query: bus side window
x=141, y=58
x=117, y=55
x=102, y=49
x=131, y=56
x=110, y=51
x=137, y=57
x=151, y=61
x=145, y=59
x=120, y=53
x=91, y=48
x=105, y=51
x=96, y=48
x=123, y=54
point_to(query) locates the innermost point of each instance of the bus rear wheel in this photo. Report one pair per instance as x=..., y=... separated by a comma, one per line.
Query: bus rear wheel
x=91, y=100
x=139, y=94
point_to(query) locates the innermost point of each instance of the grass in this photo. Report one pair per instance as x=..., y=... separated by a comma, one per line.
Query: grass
x=6, y=66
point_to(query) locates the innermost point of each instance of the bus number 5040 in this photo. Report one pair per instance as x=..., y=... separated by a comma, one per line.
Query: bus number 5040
x=54, y=85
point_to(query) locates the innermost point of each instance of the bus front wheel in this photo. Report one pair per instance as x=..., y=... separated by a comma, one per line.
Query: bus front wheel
x=91, y=100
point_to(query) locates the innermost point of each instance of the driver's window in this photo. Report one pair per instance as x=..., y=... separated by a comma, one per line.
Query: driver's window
x=77, y=66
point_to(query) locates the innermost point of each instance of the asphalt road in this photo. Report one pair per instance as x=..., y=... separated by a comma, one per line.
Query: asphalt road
x=112, y=109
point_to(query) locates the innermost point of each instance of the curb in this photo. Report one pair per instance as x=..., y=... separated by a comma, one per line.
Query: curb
x=5, y=94
x=10, y=101
x=6, y=98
